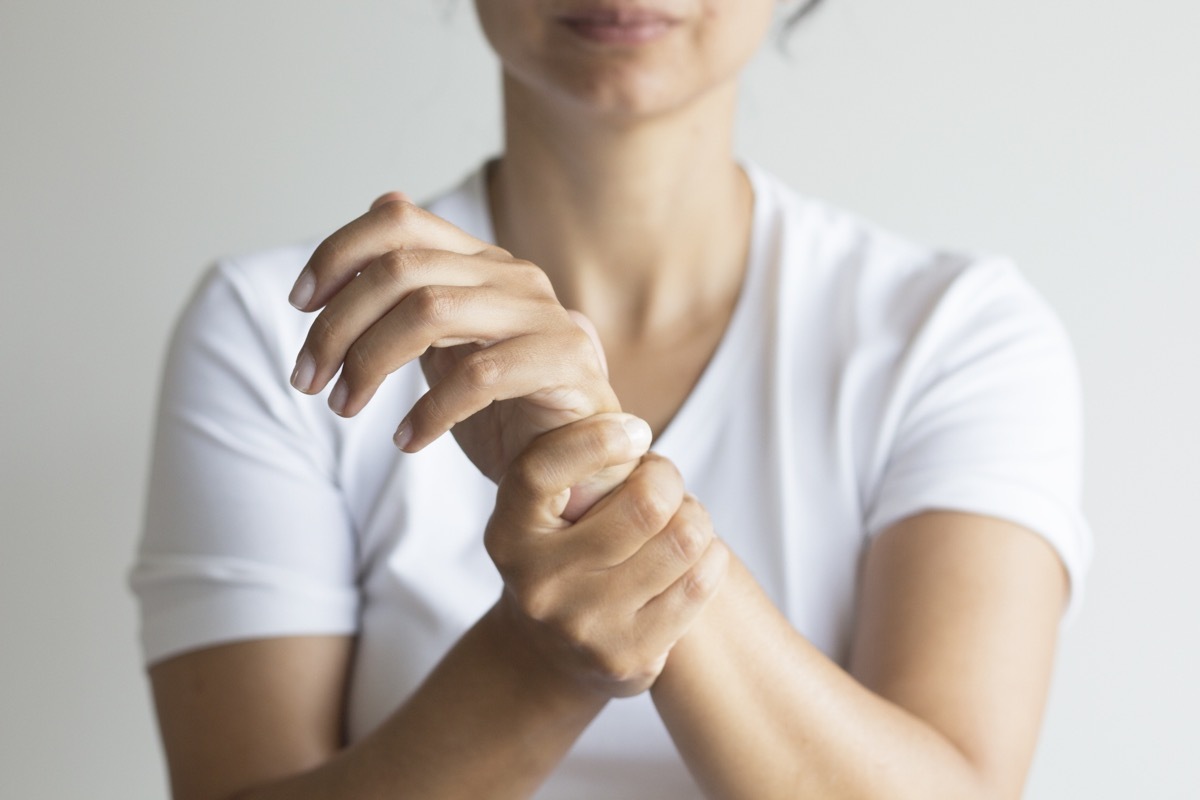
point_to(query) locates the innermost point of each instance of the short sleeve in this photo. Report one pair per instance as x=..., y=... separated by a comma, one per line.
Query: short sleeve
x=246, y=534
x=986, y=417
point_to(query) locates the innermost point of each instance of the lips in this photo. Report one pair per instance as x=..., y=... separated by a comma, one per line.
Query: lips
x=618, y=25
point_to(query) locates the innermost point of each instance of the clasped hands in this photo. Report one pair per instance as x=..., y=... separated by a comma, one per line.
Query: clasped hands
x=606, y=559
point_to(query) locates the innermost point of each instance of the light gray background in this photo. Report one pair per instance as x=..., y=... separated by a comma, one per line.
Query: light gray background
x=140, y=140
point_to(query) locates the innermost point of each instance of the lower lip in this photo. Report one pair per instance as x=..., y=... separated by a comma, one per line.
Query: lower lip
x=631, y=33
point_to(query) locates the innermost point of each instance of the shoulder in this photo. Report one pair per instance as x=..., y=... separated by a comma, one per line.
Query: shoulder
x=265, y=270
x=947, y=379
x=871, y=284
x=243, y=297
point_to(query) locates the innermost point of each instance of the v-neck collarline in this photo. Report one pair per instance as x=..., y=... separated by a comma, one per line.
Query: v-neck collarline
x=680, y=435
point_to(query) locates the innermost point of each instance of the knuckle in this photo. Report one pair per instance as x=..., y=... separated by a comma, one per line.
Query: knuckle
x=626, y=666
x=502, y=552
x=687, y=541
x=616, y=667
x=665, y=473
x=324, y=334
x=700, y=582
x=433, y=305
x=610, y=657
x=496, y=253
x=692, y=510
x=696, y=586
x=578, y=631
x=359, y=363
x=524, y=475
x=482, y=370
x=538, y=603
x=581, y=345
x=398, y=264
x=532, y=276
x=649, y=505
x=401, y=212
x=387, y=197
x=609, y=663
x=495, y=545
x=672, y=471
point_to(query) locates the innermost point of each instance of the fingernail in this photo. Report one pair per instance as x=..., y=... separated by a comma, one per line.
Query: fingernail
x=339, y=396
x=303, y=291
x=404, y=435
x=639, y=432
x=305, y=371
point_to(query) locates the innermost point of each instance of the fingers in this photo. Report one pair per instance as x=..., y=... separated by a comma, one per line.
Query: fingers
x=614, y=624
x=659, y=560
x=629, y=653
x=430, y=316
x=407, y=301
x=634, y=514
x=391, y=224
x=442, y=316
x=667, y=616
x=384, y=284
x=538, y=480
x=528, y=366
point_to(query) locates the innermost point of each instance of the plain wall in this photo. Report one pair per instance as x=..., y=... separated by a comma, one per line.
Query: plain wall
x=140, y=140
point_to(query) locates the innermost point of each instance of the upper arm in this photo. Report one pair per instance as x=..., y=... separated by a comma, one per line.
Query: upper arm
x=246, y=573
x=976, y=536
x=241, y=715
x=247, y=532
x=958, y=620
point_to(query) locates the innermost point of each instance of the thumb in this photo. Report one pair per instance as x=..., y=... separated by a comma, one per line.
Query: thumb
x=588, y=493
x=586, y=324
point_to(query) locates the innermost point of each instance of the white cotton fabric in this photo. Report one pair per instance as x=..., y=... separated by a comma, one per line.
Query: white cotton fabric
x=862, y=379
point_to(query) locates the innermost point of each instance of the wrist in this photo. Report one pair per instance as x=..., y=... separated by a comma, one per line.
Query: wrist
x=511, y=638
x=707, y=644
x=569, y=669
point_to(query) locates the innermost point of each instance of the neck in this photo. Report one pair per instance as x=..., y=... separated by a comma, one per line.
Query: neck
x=637, y=222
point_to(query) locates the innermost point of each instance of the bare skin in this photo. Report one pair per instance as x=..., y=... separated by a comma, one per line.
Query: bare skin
x=589, y=612
x=943, y=699
x=958, y=614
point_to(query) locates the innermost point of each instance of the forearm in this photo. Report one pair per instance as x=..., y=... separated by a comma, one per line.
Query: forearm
x=490, y=721
x=758, y=711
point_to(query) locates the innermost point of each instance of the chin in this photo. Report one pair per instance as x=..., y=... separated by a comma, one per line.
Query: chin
x=620, y=92
x=657, y=56
x=643, y=98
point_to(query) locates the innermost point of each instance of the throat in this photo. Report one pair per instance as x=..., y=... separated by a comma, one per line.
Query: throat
x=653, y=380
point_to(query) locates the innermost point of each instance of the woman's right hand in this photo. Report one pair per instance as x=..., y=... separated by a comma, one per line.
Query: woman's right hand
x=504, y=360
x=603, y=599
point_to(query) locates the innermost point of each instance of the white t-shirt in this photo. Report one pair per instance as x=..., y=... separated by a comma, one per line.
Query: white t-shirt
x=862, y=379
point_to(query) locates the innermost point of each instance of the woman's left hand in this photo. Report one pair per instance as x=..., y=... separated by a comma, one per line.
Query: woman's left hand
x=504, y=360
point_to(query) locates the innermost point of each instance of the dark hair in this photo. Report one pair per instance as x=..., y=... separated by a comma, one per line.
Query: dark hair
x=800, y=13
x=791, y=22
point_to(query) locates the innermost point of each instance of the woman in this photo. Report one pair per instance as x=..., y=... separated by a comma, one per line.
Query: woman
x=840, y=574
